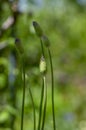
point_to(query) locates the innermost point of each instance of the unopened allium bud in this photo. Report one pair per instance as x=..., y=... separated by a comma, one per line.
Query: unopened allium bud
x=45, y=40
x=43, y=67
x=19, y=45
x=38, y=29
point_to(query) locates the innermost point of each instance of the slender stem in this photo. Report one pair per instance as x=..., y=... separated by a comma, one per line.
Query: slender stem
x=45, y=103
x=41, y=104
x=43, y=96
x=34, y=114
x=42, y=47
x=42, y=93
x=52, y=77
x=23, y=98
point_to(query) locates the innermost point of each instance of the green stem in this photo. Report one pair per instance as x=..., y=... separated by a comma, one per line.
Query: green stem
x=41, y=104
x=45, y=103
x=33, y=108
x=42, y=48
x=23, y=99
x=52, y=77
x=42, y=93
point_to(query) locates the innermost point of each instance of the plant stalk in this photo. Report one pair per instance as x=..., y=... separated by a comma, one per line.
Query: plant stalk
x=34, y=114
x=41, y=105
x=52, y=80
x=42, y=48
x=23, y=98
x=45, y=102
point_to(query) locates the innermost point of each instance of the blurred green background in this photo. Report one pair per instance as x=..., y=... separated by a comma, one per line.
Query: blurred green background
x=64, y=22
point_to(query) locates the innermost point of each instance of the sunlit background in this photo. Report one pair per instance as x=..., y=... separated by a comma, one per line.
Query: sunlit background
x=64, y=22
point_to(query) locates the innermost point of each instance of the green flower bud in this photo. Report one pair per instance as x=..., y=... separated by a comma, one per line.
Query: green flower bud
x=19, y=46
x=43, y=67
x=38, y=29
x=45, y=41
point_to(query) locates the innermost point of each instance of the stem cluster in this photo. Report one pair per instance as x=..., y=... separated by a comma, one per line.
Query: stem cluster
x=45, y=42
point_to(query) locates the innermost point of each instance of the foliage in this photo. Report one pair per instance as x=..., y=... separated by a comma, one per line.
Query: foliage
x=64, y=24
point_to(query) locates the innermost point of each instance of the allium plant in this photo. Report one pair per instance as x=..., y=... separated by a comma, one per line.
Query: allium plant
x=45, y=42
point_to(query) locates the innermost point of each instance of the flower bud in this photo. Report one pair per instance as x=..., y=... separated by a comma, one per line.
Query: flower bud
x=19, y=45
x=45, y=41
x=43, y=67
x=38, y=29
